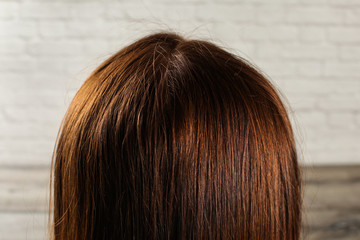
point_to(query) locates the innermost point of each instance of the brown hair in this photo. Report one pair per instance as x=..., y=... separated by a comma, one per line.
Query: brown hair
x=173, y=138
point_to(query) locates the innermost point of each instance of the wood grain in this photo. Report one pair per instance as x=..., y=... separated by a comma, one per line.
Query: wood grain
x=331, y=203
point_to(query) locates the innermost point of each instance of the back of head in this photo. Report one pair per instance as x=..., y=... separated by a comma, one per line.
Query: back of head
x=176, y=139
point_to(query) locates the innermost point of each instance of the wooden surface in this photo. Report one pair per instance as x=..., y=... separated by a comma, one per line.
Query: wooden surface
x=331, y=203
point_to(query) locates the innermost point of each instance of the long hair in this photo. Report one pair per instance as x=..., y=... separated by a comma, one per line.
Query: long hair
x=173, y=138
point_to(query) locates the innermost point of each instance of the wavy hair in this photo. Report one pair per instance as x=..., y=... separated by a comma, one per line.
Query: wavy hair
x=173, y=138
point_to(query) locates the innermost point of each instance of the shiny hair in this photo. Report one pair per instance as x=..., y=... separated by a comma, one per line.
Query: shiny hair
x=173, y=138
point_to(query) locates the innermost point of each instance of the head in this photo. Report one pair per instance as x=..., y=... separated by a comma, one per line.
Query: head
x=172, y=138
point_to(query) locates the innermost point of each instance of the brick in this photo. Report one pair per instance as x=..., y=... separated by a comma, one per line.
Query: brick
x=278, y=33
x=244, y=49
x=13, y=46
x=52, y=29
x=321, y=86
x=259, y=1
x=116, y=11
x=44, y=10
x=339, y=139
x=86, y=10
x=253, y=32
x=51, y=65
x=154, y=12
x=175, y=12
x=86, y=28
x=55, y=48
x=8, y=10
x=10, y=81
x=37, y=149
x=309, y=51
x=278, y=68
x=301, y=102
x=270, y=14
x=311, y=68
x=25, y=160
x=352, y=16
x=17, y=29
x=134, y=11
x=96, y=29
x=81, y=64
x=192, y=28
x=30, y=81
x=97, y=47
x=340, y=102
x=351, y=52
x=327, y=156
x=297, y=51
x=185, y=1
x=49, y=115
x=2, y=119
x=321, y=15
x=342, y=69
x=29, y=131
x=283, y=33
x=357, y=118
x=344, y=34
x=313, y=2
x=311, y=119
x=227, y=31
x=348, y=86
x=341, y=120
x=307, y=87
x=19, y=98
x=17, y=65
x=269, y=50
x=228, y=12
x=312, y=34
x=346, y=3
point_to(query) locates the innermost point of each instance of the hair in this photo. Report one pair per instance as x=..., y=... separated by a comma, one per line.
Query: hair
x=173, y=138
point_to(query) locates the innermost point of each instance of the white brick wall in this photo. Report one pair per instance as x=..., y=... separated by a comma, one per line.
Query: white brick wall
x=309, y=48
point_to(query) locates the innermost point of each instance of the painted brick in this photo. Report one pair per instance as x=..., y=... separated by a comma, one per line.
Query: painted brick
x=86, y=10
x=116, y=11
x=45, y=10
x=342, y=69
x=351, y=52
x=344, y=34
x=228, y=31
x=11, y=29
x=301, y=102
x=344, y=3
x=52, y=29
x=56, y=48
x=308, y=48
x=341, y=120
x=311, y=68
x=283, y=33
x=234, y=12
x=14, y=46
x=279, y=33
x=357, y=118
x=314, y=15
x=270, y=14
x=8, y=10
x=312, y=119
x=340, y=102
x=312, y=34
x=352, y=16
